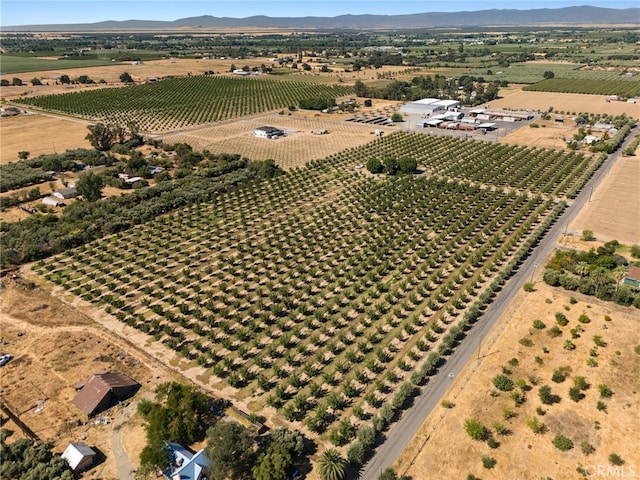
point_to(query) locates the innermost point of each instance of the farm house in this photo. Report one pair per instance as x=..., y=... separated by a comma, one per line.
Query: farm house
x=186, y=465
x=79, y=456
x=268, y=132
x=103, y=390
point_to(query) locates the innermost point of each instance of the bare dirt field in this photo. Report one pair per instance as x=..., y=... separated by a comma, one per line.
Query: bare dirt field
x=40, y=134
x=299, y=147
x=613, y=211
x=550, y=134
x=569, y=103
x=442, y=448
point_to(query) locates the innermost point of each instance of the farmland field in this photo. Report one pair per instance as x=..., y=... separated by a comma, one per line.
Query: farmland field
x=623, y=88
x=21, y=64
x=329, y=294
x=178, y=102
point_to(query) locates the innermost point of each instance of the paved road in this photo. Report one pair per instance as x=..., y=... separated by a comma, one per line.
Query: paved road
x=471, y=346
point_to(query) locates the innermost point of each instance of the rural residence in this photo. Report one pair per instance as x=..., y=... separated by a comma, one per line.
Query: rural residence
x=268, y=132
x=186, y=465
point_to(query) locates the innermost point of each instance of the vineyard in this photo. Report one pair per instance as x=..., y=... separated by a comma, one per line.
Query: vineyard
x=180, y=102
x=326, y=294
x=622, y=88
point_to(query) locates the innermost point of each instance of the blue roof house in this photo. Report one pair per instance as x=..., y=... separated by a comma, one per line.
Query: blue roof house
x=186, y=465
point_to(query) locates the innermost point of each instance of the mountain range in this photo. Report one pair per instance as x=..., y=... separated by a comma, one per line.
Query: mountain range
x=584, y=15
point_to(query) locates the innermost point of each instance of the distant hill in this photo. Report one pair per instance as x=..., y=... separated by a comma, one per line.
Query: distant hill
x=584, y=15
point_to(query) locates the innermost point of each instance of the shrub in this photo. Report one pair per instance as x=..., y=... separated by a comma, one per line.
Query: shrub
x=507, y=413
x=539, y=360
x=500, y=428
x=587, y=235
x=562, y=319
x=559, y=375
x=597, y=339
x=546, y=397
x=572, y=300
x=514, y=362
x=562, y=443
x=635, y=251
x=575, y=394
x=538, y=324
x=541, y=411
x=488, y=462
x=493, y=443
x=586, y=447
x=528, y=287
x=605, y=391
x=503, y=383
x=475, y=429
x=526, y=342
x=580, y=383
x=535, y=425
x=615, y=459
x=447, y=403
x=584, y=318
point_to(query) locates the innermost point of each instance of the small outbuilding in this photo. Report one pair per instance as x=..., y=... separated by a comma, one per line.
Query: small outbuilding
x=66, y=193
x=52, y=202
x=268, y=132
x=79, y=456
x=103, y=390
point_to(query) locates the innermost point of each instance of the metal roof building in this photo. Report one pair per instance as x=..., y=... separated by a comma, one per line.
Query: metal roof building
x=103, y=390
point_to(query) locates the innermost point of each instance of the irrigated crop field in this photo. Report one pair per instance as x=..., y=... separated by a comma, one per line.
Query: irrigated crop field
x=327, y=294
x=179, y=102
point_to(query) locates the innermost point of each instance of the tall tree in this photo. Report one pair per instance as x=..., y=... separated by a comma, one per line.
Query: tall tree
x=90, y=186
x=229, y=451
x=101, y=136
x=273, y=464
x=331, y=465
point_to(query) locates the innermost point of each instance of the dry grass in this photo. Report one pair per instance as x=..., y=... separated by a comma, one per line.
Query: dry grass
x=40, y=134
x=442, y=448
x=54, y=347
x=612, y=213
x=569, y=103
x=296, y=149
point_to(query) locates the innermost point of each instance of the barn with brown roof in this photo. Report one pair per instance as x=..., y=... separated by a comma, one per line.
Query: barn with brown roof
x=103, y=390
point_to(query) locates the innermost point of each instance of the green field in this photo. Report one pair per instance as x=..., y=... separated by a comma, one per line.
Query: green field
x=328, y=294
x=10, y=64
x=180, y=102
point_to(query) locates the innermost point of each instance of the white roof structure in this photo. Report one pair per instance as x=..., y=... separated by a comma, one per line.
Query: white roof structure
x=427, y=101
x=487, y=125
x=78, y=455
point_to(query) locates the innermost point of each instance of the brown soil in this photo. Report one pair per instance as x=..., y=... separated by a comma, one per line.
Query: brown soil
x=550, y=134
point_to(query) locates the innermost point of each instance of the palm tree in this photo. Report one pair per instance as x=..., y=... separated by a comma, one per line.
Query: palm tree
x=582, y=269
x=331, y=465
x=619, y=273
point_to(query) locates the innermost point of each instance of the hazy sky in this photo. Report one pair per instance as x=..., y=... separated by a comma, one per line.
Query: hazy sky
x=26, y=12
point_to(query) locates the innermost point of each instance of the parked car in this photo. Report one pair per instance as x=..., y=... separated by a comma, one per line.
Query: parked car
x=5, y=358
